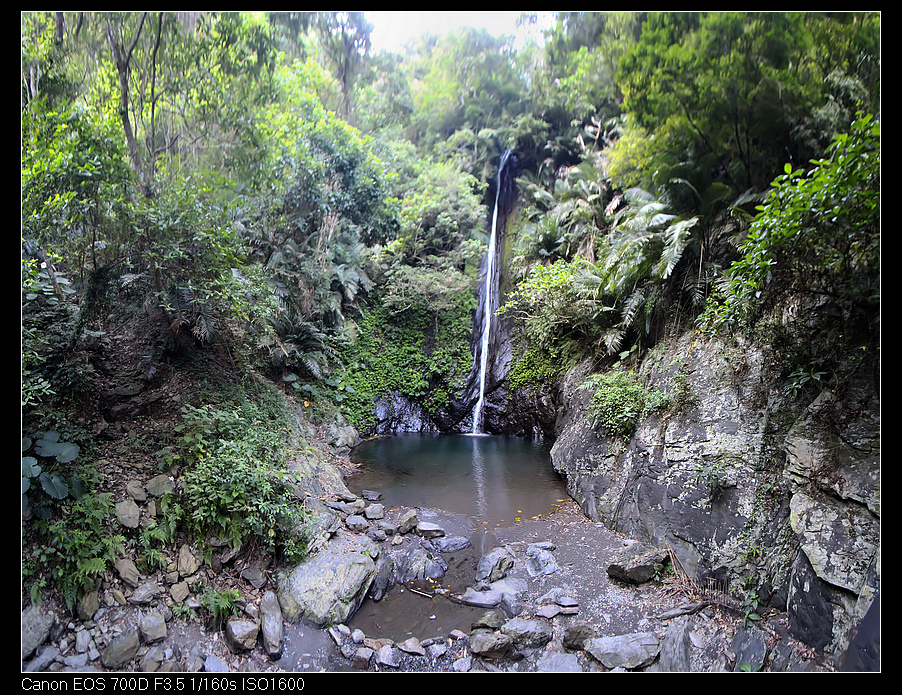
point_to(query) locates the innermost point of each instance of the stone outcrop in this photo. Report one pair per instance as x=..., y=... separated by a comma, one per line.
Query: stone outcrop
x=745, y=480
x=329, y=586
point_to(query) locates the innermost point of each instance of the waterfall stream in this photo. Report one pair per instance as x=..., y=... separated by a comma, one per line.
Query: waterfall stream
x=491, y=292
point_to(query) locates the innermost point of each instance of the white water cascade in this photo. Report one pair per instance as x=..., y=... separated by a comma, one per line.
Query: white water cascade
x=491, y=292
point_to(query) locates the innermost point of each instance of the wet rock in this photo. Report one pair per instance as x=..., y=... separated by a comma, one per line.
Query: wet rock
x=451, y=544
x=417, y=562
x=408, y=521
x=383, y=578
x=427, y=529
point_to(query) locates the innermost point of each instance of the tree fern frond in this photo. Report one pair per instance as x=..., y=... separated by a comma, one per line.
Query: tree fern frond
x=632, y=305
x=676, y=239
x=612, y=339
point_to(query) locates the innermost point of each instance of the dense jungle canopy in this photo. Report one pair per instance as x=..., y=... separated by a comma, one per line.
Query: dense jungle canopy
x=275, y=192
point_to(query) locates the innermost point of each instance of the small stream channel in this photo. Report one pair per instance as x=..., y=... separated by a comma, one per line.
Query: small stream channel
x=474, y=484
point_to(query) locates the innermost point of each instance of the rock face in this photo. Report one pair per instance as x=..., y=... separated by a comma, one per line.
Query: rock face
x=746, y=480
x=330, y=586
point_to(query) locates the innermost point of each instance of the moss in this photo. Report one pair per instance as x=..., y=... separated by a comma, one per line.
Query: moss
x=421, y=355
x=533, y=368
x=620, y=400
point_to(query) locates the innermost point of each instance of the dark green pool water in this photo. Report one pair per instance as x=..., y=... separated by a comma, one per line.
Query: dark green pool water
x=499, y=480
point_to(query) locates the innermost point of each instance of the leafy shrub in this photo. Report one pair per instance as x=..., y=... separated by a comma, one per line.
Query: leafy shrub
x=221, y=604
x=619, y=401
x=77, y=548
x=236, y=485
x=231, y=495
x=42, y=467
x=817, y=233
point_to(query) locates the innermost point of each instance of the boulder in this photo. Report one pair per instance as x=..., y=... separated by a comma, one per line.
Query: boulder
x=241, y=634
x=637, y=563
x=489, y=644
x=630, y=651
x=494, y=565
x=272, y=627
x=528, y=634
x=121, y=650
x=330, y=586
x=36, y=624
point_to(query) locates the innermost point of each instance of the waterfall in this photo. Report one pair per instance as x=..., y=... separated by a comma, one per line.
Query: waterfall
x=491, y=292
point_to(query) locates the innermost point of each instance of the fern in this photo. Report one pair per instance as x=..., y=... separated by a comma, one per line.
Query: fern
x=676, y=238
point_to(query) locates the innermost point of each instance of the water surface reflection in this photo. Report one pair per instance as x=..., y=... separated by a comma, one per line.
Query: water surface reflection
x=499, y=480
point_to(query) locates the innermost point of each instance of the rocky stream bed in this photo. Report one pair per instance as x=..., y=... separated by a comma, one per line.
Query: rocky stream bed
x=554, y=594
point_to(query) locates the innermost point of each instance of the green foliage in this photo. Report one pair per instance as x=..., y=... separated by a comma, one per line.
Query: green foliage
x=74, y=179
x=77, y=547
x=221, y=604
x=467, y=82
x=47, y=467
x=235, y=484
x=817, y=233
x=439, y=210
x=620, y=401
x=740, y=86
x=553, y=312
x=750, y=613
x=419, y=354
x=533, y=368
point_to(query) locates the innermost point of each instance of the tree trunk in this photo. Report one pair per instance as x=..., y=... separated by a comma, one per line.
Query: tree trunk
x=122, y=68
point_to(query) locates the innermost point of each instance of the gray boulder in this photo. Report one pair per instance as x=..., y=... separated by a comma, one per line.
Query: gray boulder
x=528, y=634
x=494, y=565
x=241, y=634
x=121, y=650
x=624, y=651
x=330, y=586
x=36, y=624
x=272, y=627
x=489, y=644
x=637, y=563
